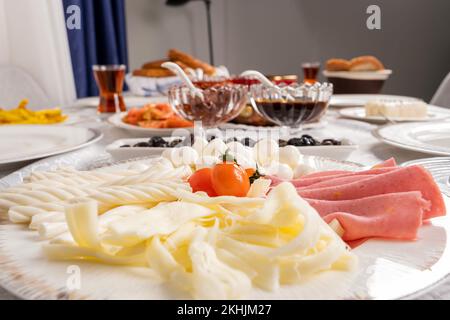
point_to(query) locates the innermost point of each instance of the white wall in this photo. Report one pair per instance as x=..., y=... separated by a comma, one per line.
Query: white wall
x=275, y=36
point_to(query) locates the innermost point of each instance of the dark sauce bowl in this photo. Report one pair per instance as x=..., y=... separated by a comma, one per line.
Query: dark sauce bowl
x=292, y=105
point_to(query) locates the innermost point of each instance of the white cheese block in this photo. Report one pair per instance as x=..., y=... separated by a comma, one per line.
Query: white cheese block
x=397, y=109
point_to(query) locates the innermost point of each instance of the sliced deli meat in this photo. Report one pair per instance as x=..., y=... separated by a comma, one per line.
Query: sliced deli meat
x=338, y=181
x=393, y=215
x=390, y=163
x=306, y=182
x=414, y=178
x=384, y=201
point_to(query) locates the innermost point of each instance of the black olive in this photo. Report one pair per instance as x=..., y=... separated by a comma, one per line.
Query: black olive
x=157, y=142
x=331, y=142
x=308, y=140
x=210, y=138
x=248, y=142
x=297, y=142
x=327, y=142
x=125, y=146
x=282, y=143
x=175, y=143
x=142, y=145
x=234, y=139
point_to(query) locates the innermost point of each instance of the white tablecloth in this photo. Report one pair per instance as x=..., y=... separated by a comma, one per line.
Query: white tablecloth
x=371, y=151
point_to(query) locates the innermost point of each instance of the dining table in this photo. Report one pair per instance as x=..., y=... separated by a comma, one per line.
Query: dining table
x=370, y=151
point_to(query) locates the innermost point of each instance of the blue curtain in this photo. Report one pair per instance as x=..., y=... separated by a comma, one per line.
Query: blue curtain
x=100, y=40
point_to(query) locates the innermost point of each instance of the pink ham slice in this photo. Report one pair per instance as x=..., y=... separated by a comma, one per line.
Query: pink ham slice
x=337, y=181
x=393, y=215
x=414, y=178
x=390, y=163
x=305, y=182
x=324, y=174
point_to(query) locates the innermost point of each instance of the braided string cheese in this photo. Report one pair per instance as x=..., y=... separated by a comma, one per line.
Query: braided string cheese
x=156, y=173
x=22, y=207
x=24, y=214
x=80, y=177
x=109, y=197
x=42, y=184
x=63, y=188
x=41, y=195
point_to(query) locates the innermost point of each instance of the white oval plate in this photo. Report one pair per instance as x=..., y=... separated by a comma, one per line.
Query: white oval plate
x=432, y=138
x=387, y=269
x=341, y=152
x=116, y=120
x=20, y=143
x=359, y=113
x=130, y=101
x=359, y=100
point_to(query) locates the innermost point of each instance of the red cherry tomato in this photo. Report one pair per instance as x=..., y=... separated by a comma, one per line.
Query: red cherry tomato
x=229, y=179
x=201, y=180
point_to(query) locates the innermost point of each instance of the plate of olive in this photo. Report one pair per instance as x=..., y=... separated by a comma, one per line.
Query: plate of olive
x=334, y=148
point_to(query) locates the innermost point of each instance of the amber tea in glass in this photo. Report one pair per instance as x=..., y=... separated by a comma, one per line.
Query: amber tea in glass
x=310, y=72
x=110, y=79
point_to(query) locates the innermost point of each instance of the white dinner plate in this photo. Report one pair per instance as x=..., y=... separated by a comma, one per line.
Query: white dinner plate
x=432, y=138
x=116, y=120
x=387, y=269
x=19, y=143
x=130, y=101
x=359, y=100
x=359, y=113
x=439, y=167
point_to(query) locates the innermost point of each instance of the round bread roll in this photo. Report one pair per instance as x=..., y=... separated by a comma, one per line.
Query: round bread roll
x=366, y=63
x=338, y=65
x=153, y=73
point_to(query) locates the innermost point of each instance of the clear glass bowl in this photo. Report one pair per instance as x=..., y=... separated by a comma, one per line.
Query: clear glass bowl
x=220, y=104
x=292, y=105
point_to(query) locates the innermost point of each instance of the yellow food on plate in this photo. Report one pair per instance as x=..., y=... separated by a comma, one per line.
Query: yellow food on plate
x=22, y=115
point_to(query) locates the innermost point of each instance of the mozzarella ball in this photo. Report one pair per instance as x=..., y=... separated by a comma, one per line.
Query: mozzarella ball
x=184, y=156
x=215, y=148
x=290, y=156
x=205, y=162
x=167, y=154
x=302, y=170
x=266, y=151
x=245, y=162
x=237, y=148
x=281, y=170
x=199, y=145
